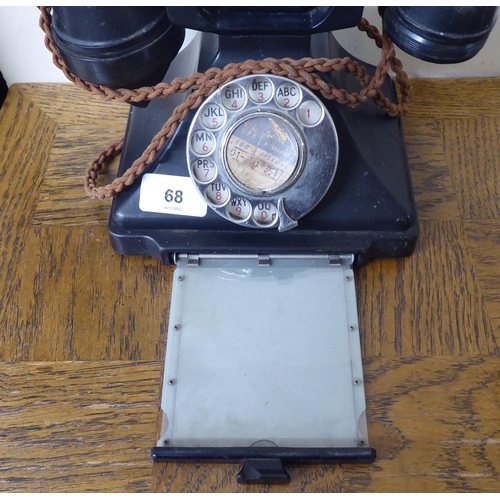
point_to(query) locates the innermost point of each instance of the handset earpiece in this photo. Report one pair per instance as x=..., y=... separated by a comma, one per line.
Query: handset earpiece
x=117, y=47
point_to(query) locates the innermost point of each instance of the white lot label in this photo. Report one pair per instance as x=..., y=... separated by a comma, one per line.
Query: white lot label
x=171, y=194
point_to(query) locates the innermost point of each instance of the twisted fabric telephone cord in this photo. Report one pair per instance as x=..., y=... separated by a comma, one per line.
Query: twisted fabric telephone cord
x=204, y=84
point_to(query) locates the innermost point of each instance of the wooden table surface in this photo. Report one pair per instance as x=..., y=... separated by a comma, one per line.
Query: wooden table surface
x=83, y=329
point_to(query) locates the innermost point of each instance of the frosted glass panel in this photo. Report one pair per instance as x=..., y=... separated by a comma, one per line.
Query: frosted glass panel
x=263, y=356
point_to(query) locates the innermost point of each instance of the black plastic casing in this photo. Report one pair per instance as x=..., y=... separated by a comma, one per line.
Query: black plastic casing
x=117, y=47
x=369, y=210
x=442, y=35
x=261, y=20
x=265, y=465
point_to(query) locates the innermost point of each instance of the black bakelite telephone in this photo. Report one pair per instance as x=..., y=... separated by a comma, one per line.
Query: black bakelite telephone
x=265, y=167
x=280, y=168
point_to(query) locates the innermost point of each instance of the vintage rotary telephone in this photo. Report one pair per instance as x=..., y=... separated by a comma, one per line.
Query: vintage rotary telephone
x=264, y=198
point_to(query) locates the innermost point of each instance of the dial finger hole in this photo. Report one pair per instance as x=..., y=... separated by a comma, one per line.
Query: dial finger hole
x=265, y=214
x=217, y=194
x=202, y=142
x=239, y=209
x=204, y=170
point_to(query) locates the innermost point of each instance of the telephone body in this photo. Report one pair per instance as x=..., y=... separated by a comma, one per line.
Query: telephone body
x=347, y=189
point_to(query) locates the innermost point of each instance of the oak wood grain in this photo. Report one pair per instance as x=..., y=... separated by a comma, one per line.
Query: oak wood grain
x=82, y=301
x=435, y=424
x=483, y=237
x=77, y=426
x=428, y=304
x=62, y=199
x=434, y=191
x=86, y=125
x=456, y=97
x=26, y=136
x=472, y=148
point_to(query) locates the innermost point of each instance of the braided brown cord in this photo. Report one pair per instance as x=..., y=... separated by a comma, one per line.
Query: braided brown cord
x=204, y=84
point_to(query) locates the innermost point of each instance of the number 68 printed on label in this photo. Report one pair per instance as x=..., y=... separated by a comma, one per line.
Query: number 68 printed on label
x=171, y=194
